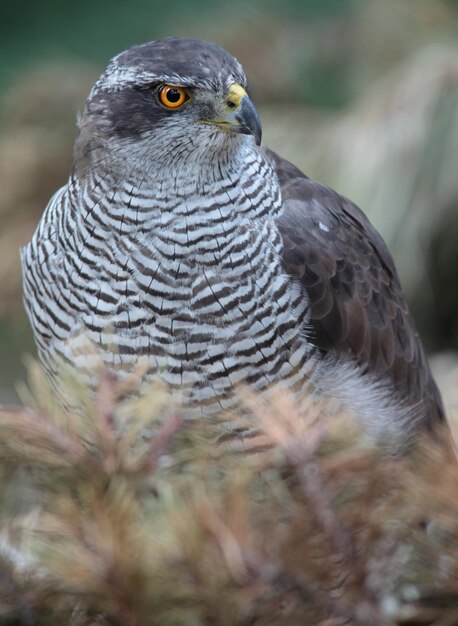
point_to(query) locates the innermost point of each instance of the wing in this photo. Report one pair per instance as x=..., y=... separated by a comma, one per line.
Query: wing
x=356, y=301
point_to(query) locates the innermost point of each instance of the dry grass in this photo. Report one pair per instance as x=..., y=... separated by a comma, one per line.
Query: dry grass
x=100, y=525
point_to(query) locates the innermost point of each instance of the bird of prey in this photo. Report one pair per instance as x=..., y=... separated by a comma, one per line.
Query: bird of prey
x=182, y=241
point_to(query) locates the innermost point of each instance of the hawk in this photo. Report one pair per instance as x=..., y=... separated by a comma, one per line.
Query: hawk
x=181, y=240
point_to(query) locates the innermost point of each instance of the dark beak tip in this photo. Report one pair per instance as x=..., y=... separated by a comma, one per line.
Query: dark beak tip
x=249, y=118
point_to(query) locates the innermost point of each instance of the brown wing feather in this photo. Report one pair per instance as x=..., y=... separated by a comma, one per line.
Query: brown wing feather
x=356, y=301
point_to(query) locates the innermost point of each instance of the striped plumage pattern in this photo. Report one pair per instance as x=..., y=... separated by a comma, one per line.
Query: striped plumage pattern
x=191, y=280
x=180, y=243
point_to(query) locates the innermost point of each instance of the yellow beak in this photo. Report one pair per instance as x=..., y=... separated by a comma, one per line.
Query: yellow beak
x=241, y=116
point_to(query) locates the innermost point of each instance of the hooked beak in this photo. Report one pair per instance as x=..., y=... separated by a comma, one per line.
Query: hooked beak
x=241, y=116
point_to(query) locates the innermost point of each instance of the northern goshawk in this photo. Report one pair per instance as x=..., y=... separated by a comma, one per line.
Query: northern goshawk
x=181, y=240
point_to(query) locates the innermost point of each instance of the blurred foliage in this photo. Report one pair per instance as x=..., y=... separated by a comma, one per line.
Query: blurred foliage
x=394, y=153
x=100, y=525
x=98, y=30
x=318, y=51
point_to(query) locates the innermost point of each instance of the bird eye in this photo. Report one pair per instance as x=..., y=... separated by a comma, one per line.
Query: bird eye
x=172, y=97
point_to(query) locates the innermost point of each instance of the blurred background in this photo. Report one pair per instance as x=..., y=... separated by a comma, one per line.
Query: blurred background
x=361, y=94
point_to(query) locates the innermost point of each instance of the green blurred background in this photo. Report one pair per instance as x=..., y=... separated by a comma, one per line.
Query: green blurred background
x=361, y=94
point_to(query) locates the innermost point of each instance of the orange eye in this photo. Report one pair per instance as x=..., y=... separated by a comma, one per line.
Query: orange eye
x=172, y=97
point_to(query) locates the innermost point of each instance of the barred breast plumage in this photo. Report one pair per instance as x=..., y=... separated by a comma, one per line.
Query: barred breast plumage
x=180, y=241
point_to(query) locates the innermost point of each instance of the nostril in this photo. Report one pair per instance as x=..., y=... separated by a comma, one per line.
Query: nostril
x=231, y=104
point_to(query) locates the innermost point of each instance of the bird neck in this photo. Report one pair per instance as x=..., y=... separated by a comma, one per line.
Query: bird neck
x=237, y=184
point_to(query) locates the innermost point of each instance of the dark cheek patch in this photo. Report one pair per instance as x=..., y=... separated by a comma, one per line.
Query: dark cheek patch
x=131, y=112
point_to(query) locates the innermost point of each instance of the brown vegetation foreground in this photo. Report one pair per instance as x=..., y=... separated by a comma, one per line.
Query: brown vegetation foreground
x=102, y=525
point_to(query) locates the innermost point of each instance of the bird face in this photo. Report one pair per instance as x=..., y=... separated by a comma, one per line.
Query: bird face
x=154, y=98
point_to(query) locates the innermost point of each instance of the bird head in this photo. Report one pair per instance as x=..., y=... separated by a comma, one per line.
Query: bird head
x=168, y=98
